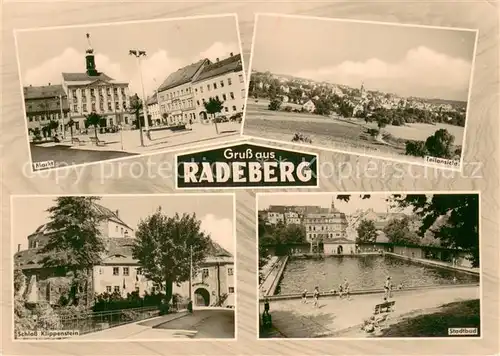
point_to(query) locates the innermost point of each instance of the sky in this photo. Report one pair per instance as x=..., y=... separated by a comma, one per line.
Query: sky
x=44, y=53
x=407, y=61
x=217, y=222
x=377, y=202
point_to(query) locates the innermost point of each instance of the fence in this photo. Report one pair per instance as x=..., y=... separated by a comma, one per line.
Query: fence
x=91, y=322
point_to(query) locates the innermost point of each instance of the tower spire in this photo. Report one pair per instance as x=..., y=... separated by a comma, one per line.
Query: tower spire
x=90, y=59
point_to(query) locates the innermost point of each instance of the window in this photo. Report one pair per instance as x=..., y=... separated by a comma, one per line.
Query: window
x=117, y=105
x=92, y=92
x=224, y=97
x=229, y=271
x=217, y=97
x=229, y=82
x=123, y=91
x=138, y=271
x=243, y=93
x=101, y=106
x=231, y=290
x=231, y=95
x=122, y=230
x=208, y=87
x=201, y=89
x=117, y=289
x=75, y=108
x=222, y=84
x=196, y=90
x=226, y=109
x=124, y=105
x=108, y=289
x=215, y=85
x=204, y=273
x=84, y=107
x=234, y=107
x=109, y=106
x=116, y=271
x=116, y=228
x=126, y=271
x=241, y=78
x=100, y=271
x=198, y=102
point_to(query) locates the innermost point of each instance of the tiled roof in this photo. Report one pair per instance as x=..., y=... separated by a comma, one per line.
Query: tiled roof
x=82, y=77
x=182, y=75
x=339, y=240
x=228, y=65
x=43, y=92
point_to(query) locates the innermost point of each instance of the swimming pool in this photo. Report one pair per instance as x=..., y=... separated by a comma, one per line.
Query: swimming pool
x=363, y=272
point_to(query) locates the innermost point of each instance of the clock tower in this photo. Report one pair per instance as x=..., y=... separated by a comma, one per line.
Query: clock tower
x=90, y=59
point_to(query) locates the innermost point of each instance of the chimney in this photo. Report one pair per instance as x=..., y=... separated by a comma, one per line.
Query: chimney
x=231, y=54
x=49, y=84
x=216, y=59
x=117, y=212
x=18, y=247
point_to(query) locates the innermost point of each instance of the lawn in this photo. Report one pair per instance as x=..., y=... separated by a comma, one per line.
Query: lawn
x=464, y=314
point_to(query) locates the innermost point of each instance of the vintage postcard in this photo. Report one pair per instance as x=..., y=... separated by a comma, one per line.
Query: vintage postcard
x=124, y=267
x=391, y=91
x=369, y=265
x=90, y=98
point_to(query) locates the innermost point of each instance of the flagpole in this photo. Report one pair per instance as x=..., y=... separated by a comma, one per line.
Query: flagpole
x=190, y=271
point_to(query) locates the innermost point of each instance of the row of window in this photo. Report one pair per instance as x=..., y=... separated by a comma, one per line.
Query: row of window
x=102, y=91
x=328, y=227
x=116, y=289
x=101, y=107
x=221, y=84
x=175, y=94
x=123, y=232
x=178, y=105
x=48, y=117
x=324, y=220
x=205, y=272
x=327, y=235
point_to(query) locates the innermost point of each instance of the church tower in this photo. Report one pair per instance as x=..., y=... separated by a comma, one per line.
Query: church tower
x=332, y=206
x=90, y=59
x=362, y=90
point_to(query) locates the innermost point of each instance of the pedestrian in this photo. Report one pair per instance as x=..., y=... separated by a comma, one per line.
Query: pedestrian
x=346, y=288
x=387, y=288
x=316, y=297
x=341, y=291
x=304, y=296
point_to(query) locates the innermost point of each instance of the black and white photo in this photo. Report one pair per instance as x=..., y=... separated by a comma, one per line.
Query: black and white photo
x=369, y=265
x=391, y=91
x=87, y=89
x=124, y=267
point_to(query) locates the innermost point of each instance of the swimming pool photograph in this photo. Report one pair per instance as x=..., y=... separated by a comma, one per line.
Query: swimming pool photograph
x=369, y=265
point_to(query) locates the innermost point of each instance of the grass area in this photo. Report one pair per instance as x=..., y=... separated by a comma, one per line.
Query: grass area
x=464, y=314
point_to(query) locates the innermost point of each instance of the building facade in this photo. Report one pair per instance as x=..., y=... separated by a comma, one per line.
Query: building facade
x=95, y=92
x=154, y=110
x=309, y=106
x=292, y=217
x=176, y=96
x=322, y=226
x=45, y=104
x=223, y=80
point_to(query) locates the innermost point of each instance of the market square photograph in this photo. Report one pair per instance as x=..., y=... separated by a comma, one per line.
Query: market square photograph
x=105, y=91
x=376, y=265
x=113, y=267
x=401, y=93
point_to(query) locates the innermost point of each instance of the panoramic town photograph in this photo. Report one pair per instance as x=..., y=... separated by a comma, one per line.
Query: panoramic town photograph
x=400, y=94
x=153, y=267
x=378, y=265
x=90, y=98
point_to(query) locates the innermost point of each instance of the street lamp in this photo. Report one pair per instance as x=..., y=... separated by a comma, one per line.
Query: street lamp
x=138, y=54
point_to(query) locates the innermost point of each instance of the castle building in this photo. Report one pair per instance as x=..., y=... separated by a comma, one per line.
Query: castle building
x=118, y=271
x=95, y=92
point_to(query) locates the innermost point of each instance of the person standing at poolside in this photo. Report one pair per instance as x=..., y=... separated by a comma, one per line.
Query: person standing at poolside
x=316, y=297
x=387, y=288
x=346, y=288
x=304, y=296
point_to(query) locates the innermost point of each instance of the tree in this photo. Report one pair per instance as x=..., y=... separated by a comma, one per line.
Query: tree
x=274, y=104
x=93, y=119
x=366, y=232
x=214, y=106
x=398, y=231
x=440, y=144
x=75, y=241
x=70, y=124
x=163, y=247
x=415, y=148
x=323, y=107
x=52, y=125
x=460, y=228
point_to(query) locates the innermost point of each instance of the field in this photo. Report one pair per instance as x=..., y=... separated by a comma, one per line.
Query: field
x=337, y=133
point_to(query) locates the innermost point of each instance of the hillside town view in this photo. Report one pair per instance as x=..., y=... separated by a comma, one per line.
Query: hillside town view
x=89, y=115
x=88, y=273
x=375, y=265
x=404, y=99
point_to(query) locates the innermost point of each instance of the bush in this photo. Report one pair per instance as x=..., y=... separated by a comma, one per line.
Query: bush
x=299, y=137
x=287, y=109
x=416, y=148
x=274, y=105
x=372, y=132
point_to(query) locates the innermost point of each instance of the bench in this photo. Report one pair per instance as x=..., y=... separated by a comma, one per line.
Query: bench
x=97, y=142
x=76, y=140
x=384, y=307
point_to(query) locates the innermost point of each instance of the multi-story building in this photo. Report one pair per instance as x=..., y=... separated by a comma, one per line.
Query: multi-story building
x=45, y=104
x=323, y=226
x=94, y=91
x=224, y=80
x=292, y=217
x=118, y=271
x=154, y=110
x=309, y=106
x=275, y=218
x=176, y=96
